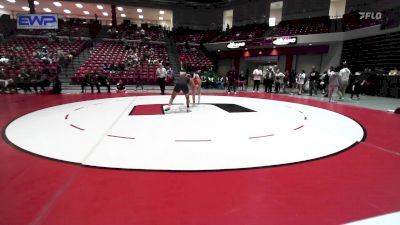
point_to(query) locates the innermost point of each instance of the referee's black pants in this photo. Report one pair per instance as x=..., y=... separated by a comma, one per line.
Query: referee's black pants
x=161, y=82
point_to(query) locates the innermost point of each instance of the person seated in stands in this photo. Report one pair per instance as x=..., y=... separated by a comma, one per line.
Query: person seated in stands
x=142, y=32
x=44, y=51
x=70, y=56
x=112, y=68
x=87, y=80
x=169, y=71
x=394, y=72
x=15, y=62
x=6, y=83
x=211, y=81
x=146, y=55
x=34, y=79
x=121, y=66
x=39, y=80
x=24, y=81
x=106, y=66
x=43, y=80
x=4, y=59
x=121, y=87
x=46, y=60
x=102, y=80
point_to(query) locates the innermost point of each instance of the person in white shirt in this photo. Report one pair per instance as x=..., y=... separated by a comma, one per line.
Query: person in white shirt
x=344, y=75
x=278, y=80
x=161, y=73
x=257, y=74
x=393, y=72
x=300, y=79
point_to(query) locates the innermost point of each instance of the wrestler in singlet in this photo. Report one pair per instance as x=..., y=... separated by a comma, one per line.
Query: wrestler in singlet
x=196, y=87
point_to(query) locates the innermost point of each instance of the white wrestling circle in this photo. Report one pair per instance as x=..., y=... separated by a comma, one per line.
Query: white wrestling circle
x=101, y=133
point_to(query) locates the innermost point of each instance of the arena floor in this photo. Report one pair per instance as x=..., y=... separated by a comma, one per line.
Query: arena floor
x=250, y=158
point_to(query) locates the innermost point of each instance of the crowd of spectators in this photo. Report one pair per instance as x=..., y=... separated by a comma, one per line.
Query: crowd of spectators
x=32, y=63
x=130, y=31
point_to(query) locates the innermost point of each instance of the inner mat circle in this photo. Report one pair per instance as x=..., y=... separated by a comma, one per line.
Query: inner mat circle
x=221, y=133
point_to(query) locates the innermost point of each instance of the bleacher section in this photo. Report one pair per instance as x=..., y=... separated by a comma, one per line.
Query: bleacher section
x=113, y=52
x=302, y=26
x=243, y=33
x=197, y=37
x=133, y=32
x=193, y=58
x=24, y=49
x=382, y=51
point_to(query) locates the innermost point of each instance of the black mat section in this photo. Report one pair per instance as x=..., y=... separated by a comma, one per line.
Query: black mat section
x=233, y=108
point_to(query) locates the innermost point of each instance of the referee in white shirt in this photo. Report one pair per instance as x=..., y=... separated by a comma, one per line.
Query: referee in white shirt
x=161, y=73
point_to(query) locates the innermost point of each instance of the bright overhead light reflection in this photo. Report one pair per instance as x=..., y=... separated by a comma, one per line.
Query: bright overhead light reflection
x=36, y=2
x=139, y=10
x=12, y=1
x=57, y=4
x=67, y=11
x=162, y=12
x=140, y=16
x=105, y=13
x=120, y=9
x=46, y=9
x=99, y=6
x=86, y=12
x=79, y=5
x=123, y=15
x=1, y=6
x=26, y=8
x=160, y=18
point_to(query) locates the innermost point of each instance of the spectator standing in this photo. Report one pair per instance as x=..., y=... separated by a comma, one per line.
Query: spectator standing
x=300, y=80
x=257, y=74
x=334, y=83
x=231, y=76
x=269, y=80
x=278, y=80
x=313, y=81
x=355, y=89
x=286, y=81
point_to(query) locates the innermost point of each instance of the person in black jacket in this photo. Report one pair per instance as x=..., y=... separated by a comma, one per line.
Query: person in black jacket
x=269, y=80
x=56, y=86
x=102, y=80
x=88, y=80
x=121, y=87
x=355, y=89
x=231, y=76
x=313, y=81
